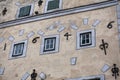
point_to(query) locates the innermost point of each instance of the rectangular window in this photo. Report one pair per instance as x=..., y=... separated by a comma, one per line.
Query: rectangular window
x=24, y=11
x=53, y=5
x=18, y=49
x=85, y=39
x=50, y=44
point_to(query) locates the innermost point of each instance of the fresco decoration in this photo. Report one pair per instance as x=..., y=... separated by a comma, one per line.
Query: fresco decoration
x=73, y=25
x=104, y=46
x=2, y=69
x=30, y=34
x=73, y=60
x=61, y=29
x=85, y=21
x=41, y=33
x=21, y=32
x=11, y=38
x=105, y=68
x=109, y=26
x=35, y=39
x=1, y=39
x=42, y=76
x=25, y=76
x=97, y=22
x=67, y=35
x=5, y=45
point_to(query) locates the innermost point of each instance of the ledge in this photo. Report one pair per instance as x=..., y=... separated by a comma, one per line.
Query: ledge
x=58, y=13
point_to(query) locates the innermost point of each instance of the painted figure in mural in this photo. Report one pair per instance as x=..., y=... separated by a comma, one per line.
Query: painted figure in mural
x=33, y=75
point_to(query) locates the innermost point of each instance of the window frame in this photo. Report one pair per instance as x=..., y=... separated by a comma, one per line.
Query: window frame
x=57, y=44
x=102, y=77
x=46, y=6
x=31, y=10
x=93, y=39
x=24, y=50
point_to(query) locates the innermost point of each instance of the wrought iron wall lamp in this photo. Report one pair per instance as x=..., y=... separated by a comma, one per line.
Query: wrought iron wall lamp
x=115, y=71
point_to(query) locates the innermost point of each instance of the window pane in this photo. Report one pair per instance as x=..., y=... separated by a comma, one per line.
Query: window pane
x=87, y=41
x=51, y=46
x=18, y=49
x=83, y=41
x=47, y=47
x=24, y=11
x=53, y=4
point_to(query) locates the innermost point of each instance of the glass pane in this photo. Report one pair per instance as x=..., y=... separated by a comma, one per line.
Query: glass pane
x=83, y=41
x=47, y=47
x=87, y=41
x=51, y=46
x=52, y=41
x=53, y=4
x=83, y=36
x=47, y=42
x=24, y=11
x=87, y=36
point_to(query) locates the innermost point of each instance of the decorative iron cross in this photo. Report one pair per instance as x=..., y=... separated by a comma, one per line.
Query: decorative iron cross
x=115, y=71
x=67, y=35
x=110, y=24
x=104, y=46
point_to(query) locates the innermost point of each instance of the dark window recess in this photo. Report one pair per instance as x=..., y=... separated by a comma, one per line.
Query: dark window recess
x=49, y=44
x=24, y=11
x=92, y=79
x=53, y=5
x=18, y=49
x=85, y=39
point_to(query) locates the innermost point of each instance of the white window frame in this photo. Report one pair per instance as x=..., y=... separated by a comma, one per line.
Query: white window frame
x=102, y=77
x=31, y=11
x=24, y=51
x=56, y=45
x=93, y=37
x=46, y=5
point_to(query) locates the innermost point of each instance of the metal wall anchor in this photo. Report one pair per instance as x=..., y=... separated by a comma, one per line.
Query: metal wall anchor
x=104, y=46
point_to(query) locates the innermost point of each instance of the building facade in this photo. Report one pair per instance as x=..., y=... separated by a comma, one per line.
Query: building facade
x=59, y=39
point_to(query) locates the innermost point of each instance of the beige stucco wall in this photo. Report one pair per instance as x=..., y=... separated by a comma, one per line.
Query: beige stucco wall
x=12, y=7
x=57, y=65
